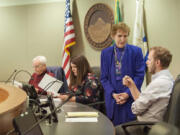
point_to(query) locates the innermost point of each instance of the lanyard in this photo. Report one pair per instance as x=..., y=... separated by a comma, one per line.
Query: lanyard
x=121, y=56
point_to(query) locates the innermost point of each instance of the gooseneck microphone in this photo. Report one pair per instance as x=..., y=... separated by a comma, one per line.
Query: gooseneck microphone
x=19, y=72
x=96, y=103
x=10, y=76
x=54, y=111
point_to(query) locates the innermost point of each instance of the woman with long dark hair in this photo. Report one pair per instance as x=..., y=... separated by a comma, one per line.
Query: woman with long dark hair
x=83, y=82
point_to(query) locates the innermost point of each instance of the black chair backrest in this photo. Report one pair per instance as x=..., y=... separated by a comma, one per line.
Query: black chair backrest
x=97, y=71
x=163, y=129
x=172, y=115
x=60, y=75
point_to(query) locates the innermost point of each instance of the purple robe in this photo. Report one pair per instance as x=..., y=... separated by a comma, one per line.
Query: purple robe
x=132, y=65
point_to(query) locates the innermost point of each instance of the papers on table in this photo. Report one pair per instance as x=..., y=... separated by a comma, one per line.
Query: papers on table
x=81, y=117
x=57, y=101
x=92, y=119
x=81, y=114
x=17, y=84
x=51, y=84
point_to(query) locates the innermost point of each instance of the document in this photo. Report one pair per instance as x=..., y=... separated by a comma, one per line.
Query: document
x=57, y=101
x=82, y=114
x=92, y=119
x=51, y=84
x=81, y=117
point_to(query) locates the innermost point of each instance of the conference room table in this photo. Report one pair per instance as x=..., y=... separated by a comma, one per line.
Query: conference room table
x=102, y=127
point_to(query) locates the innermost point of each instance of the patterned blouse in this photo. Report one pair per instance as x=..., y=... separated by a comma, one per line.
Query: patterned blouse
x=89, y=91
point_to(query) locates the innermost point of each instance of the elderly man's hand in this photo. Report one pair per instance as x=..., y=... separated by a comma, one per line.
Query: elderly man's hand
x=37, y=90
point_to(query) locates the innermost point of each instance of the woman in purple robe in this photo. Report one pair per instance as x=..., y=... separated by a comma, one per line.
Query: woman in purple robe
x=117, y=61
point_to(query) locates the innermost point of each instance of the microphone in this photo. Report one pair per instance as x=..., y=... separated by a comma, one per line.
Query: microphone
x=33, y=99
x=10, y=76
x=54, y=111
x=96, y=103
x=19, y=72
x=50, y=101
x=31, y=92
x=52, y=107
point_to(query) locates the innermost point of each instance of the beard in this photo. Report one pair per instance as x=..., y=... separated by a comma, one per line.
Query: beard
x=152, y=69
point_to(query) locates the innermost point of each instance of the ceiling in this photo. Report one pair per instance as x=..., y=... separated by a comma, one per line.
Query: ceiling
x=6, y=3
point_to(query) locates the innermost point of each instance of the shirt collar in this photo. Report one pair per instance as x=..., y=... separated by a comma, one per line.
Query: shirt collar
x=120, y=49
x=43, y=73
x=164, y=71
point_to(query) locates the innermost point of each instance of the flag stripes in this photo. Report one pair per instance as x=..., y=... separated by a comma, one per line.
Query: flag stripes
x=69, y=40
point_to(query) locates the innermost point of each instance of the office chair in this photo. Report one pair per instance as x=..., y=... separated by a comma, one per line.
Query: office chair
x=97, y=71
x=60, y=75
x=164, y=129
x=171, y=116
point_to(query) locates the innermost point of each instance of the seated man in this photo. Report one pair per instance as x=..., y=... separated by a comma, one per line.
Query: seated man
x=151, y=104
x=39, y=64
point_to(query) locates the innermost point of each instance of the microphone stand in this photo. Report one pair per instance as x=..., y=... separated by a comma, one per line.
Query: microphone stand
x=54, y=111
x=50, y=102
x=10, y=76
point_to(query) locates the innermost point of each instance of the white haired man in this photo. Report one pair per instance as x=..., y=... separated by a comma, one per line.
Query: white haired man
x=39, y=65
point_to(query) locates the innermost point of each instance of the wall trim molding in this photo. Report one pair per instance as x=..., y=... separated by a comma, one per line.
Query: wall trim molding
x=8, y=3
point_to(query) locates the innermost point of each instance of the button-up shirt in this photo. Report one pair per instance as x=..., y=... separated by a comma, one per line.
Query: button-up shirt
x=152, y=102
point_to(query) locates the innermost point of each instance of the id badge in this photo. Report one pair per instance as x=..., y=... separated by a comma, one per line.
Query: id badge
x=118, y=69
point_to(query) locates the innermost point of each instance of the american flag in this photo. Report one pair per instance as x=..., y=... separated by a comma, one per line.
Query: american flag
x=69, y=40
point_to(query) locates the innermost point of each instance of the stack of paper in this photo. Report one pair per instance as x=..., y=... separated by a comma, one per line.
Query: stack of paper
x=82, y=114
x=81, y=117
x=51, y=84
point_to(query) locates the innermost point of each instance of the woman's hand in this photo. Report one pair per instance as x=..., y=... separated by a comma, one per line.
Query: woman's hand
x=65, y=97
x=123, y=98
x=120, y=98
x=62, y=97
x=116, y=97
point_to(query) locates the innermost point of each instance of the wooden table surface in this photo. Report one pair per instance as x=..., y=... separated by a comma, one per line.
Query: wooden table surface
x=12, y=103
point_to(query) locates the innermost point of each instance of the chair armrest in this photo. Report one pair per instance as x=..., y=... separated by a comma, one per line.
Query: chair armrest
x=135, y=123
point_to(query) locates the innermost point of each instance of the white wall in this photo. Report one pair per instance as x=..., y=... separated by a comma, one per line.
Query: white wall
x=27, y=31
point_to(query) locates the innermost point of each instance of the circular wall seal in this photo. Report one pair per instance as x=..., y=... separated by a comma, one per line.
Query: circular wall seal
x=97, y=25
